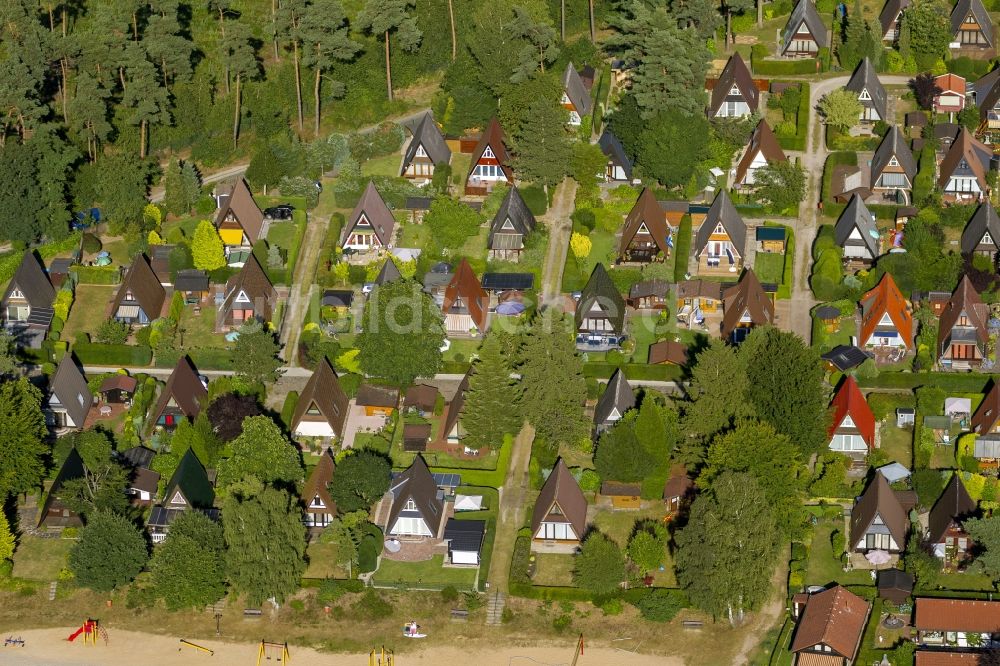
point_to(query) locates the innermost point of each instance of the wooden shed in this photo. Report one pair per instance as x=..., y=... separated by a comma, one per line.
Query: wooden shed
x=622, y=495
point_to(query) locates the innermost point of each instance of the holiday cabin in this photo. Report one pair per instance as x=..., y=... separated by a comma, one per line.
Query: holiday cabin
x=417, y=506
x=619, y=166
x=945, y=532
x=830, y=628
x=986, y=96
x=249, y=295
x=140, y=297
x=70, y=398
x=962, y=172
x=735, y=94
x=490, y=162
x=886, y=320
x=426, y=150
x=575, y=98
x=371, y=225
x=510, y=226
x=646, y=236
x=805, y=33
x=560, y=514
x=466, y=304
x=320, y=509
x=600, y=313
x=972, y=30
x=745, y=306
x=181, y=397
x=321, y=410
x=893, y=167
x=890, y=19
x=27, y=303
x=982, y=234
x=721, y=239
x=762, y=150
x=617, y=399
x=856, y=234
x=878, y=519
x=239, y=219
x=950, y=97
x=871, y=94
x=962, y=333
x=852, y=428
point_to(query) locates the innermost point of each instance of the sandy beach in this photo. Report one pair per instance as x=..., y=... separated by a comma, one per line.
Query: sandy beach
x=49, y=647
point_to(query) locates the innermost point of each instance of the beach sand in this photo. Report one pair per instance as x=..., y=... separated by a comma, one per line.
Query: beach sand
x=49, y=647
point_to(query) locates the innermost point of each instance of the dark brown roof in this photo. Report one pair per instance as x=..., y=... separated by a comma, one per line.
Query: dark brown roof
x=31, y=279
x=668, y=351
x=957, y=615
x=253, y=283
x=454, y=409
x=421, y=396
x=953, y=505
x=723, y=212
x=418, y=484
x=561, y=489
x=246, y=211
x=988, y=411
x=185, y=387
x=323, y=389
x=428, y=135
x=835, y=618
x=145, y=480
x=746, y=297
x=373, y=207
x=969, y=150
x=417, y=432
x=761, y=141
x=465, y=292
x=318, y=482
x=72, y=469
x=646, y=212
x=145, y=287
x=679, y=484
x=647, y=288
x=699, y=289
x=609, y=488
x=495, y=139
x=69, y=386
x=879, y=500
x=735, y=71
x=370, y=395
x=965, y=301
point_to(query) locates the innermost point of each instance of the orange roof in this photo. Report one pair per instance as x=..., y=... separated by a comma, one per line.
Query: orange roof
x=834, y=617
x=465, y=290
x=950, y=83
x=886, y=299
x=850, y=401
x=957, y=615
x=935, y=658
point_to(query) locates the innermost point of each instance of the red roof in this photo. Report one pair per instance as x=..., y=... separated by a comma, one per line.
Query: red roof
x=884, y=299
x=465, y=290
x=935, y=658
x=957, y=615
x=952, y=83
x=850, y=401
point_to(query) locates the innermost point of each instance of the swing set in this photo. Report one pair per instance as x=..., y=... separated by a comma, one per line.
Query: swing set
x=381, y=657
x=276, y=651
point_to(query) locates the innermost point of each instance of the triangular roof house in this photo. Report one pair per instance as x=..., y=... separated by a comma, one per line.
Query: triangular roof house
x=181, y=396
x=417, y=504
x=28, y=298
x=320, y=508
x=249, y=294
x=54, y=512
x=492, y=149
x=321, y=410
x=512, y=223
x=189, y=487
x=832, y=624
x=892, y=159
x=982, y=233
x=617, y=399
x=723, y=216
x=952, y=507
x=856, y=232
x=885, y=314
x=140, y=297
x=465, y=300
x=239, y=218
x=645, y=231
x=878, y=513
x=428, y=142
x=560, y=512
x=575, y=92
x=968, y=16
x=804, y=25
x=963, y=322
x=69, y=393
x=865, y=84
x=371, y=223
x=762, y=150
x=619, y=165
x=889, y=18
x=388, y=273
x=988, y=413
x=600, y=299
x=851, y=417
x=967, y=159
x=735, y=93
x=745, y=305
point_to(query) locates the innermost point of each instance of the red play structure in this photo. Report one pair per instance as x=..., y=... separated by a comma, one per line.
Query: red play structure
x=90, y=630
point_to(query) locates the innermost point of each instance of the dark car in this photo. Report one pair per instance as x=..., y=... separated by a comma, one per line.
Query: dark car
x=280, y=212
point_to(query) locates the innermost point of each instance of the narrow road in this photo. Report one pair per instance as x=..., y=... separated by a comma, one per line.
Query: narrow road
x=156, y=194
x=513, y=504
x=560, y=225
x=813, y=161
x=769, y=614
x=302, y=286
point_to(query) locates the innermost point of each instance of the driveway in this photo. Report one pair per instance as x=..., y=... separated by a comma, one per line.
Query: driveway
x=560, y=225
x=357, y=421
x=514, y=495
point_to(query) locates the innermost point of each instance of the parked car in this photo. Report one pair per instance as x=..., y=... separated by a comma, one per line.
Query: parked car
x=279, y=212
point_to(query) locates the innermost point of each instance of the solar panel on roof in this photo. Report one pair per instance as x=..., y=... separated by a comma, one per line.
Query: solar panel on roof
x=448, y=480
x=508, y=281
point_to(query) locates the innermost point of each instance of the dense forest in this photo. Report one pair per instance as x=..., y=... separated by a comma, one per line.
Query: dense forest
x=97, y=95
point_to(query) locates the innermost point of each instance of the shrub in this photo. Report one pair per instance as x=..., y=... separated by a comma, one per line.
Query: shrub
x=612, y=607
x=590, y=481
x=372, y=606
x=837, y=542
x=112, y=332
x=449, y=594
x=91, y=244
x=534, y=197
x=96, y=274
x=585, y=218
x=562, y=623
x=331, y=590
x=661, y=605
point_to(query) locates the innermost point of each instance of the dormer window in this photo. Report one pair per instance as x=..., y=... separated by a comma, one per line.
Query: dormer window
x=864, y=96
x=410, y=505
x=488, y=154
x=128, y=295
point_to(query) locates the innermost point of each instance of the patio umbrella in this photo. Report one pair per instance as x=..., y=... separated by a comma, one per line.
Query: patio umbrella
x=510, y=308
x=392, y=546
x=103, y=260
x=878, y=557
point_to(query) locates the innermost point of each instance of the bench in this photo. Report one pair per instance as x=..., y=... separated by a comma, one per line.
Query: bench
x=693, y=624
x=459, y=614
x=252, y=613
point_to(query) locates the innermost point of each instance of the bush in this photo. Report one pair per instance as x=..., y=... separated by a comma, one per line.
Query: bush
x=784, y=67
x=585, y=218
x=682, y=248
x=534, y=197
x=449, y=594
x=562, y=623
x=661, y=605
x=612, y=607
x=96, y=274
x=837, y=541
x=91, y=244
x=372, y=606
x=89, y=353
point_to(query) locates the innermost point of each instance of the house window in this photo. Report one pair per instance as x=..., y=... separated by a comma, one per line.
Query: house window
x=893, y=180
x=420, y=151
x=893, y=161
x=16, y=293
x=488, y=153
x=864, y=96
x=975, y=37
x=878, y=541
x=410, y=505
x=735, y=90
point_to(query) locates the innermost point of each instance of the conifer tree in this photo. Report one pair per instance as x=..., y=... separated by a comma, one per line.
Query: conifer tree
x=207, y=250
x=491, y=402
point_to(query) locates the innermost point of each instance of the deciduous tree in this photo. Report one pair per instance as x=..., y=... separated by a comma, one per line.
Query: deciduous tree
x=717, y=393
x=360, y=480
x=110, y=553
x=451, y=222
x=227, y=412
x=840, y=108
x=930, y=28
x=255, y=358
x=402, y=333
x=189, y=568
x=263, y=452
x=600, y=564
x=783, y=184
x=648, y=545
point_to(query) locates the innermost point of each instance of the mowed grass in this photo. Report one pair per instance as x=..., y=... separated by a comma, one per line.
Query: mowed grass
x=897, y=443
x=41, y=559
x=88, y=311
x=429, y=572
x=553, y=569
x=387, y=165
x=823, y=566
x=769, y=266
x=322, y=559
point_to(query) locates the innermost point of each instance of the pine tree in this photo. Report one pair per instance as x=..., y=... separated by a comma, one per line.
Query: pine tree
x=207, y=250
x=265, y=541
x=554, y=388
x=288, y=23
x=241, y=59
x=726, y=551
x=491, y=402
x=327, y=41
x=23, y=446
x=855, y=27
x=173, y=189
x=382, y=17
x=191, y=182
x=904, y=42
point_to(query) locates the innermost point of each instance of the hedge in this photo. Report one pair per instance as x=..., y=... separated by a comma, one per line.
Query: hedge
x=638, y=371
x=797, y=67
x=493, y=478
x=96, y=274
x=119, y=356
x=564, y=593
x=798, y=142
x=682, y=248
x=840, y=158
x=949, y=381
x=11, y=260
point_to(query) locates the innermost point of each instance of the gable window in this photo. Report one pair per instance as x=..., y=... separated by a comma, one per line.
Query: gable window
x=313, y=410
x=864, y=96
x=420, y=151
x=16, y=293
x=488, y=154
x=893, y=161
x=410, y=505
x=735, y=90
x=987, y=239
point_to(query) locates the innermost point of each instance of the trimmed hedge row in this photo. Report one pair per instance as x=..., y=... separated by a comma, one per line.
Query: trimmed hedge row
x=840, y=158
x=948, y=381
x=96, y=274
x=92, y=353
x=682, y=248
x=800, y=67
x=798, y=142
x=562, y=593
x=662, y=373
x=10, y=261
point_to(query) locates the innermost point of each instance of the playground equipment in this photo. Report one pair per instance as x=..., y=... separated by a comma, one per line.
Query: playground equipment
x=10, y=641
x=412, y=630
x=196, y=647
x=381, y=657
x=275, y=651
x=90, y=629
x=579, y=650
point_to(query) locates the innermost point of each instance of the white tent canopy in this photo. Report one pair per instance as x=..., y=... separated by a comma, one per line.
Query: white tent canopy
x=894, y=472
x=954, y=406
x=468, y=502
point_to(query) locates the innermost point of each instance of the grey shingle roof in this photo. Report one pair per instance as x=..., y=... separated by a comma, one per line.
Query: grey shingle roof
x=70, y=387
x=723, y=211
x=893, y=144
x=576, y=91
x=617, y=395
x=984, y=219
x=600, y=289
x=615, y=152
x=805, y=11
x=865, y=78
x=429, y=136
x=975, y=7
x=857, y=215
x=30, y=278
x=514, y=209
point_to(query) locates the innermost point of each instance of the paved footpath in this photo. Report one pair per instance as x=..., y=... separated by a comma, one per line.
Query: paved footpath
x=513, y=503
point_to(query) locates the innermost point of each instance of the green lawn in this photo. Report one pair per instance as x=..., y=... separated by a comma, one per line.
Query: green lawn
x=429, y=572
x=88, y=310
x=41, y=559
x=282, y=234
x=553, y=569
x=387, y=165
x=460, y=164
x=415, y=235
x=618, y=525
x=943, y=457
x=322, y=558
x=965, y=582
x=769, y=266
x=823, y=567
x=199, y=329
x=826, y=340
x=118, y=249
x=461, y=350
x=576, y=273
x=897, y=443
x=644, y=331
x=186, y=224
